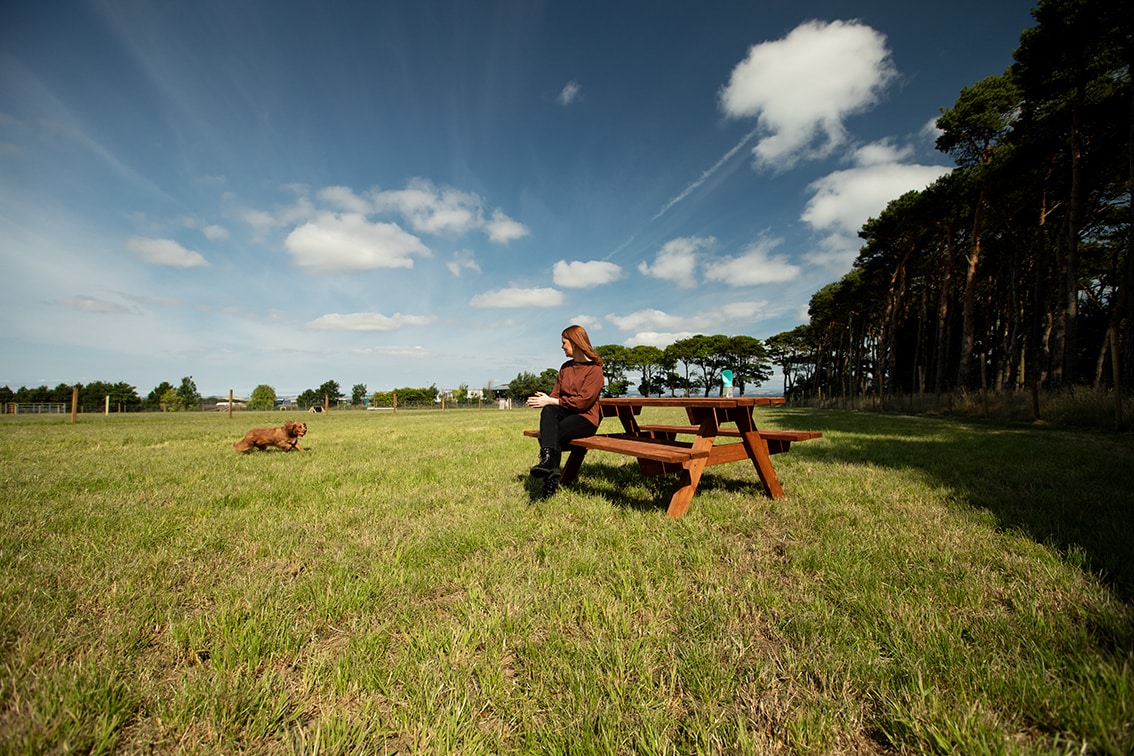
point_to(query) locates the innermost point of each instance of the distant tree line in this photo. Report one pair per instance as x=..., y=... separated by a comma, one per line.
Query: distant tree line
x=686, y=367
x=1013, y=271
x=92, y=397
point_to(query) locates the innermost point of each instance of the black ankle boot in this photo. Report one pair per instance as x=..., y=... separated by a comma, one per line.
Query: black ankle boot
x=550, y=485
x=548, y=463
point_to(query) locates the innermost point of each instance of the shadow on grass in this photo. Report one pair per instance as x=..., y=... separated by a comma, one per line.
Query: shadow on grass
x=1066, y=489
x=624, y=486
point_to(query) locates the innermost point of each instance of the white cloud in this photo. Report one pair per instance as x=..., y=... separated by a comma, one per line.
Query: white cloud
x=462, y=260
x=260, y=220
x=517, y=297
x=655, y=339
x=677, y=260
x=210, y=231
x=431, y=210
x=741, y=311
x=165, y=252
x=344, y=198
x=801, y=87
x=660, y=329
x=215, y=233
x=502, y=229
x=882, y=152
x=844, y=200
x=367, y=321
x=423, y=207
x=438, y=211
x=649, y=320
x=579, y=274
x=930, y=131
x=348, y=242
x=570, y=93
x=300, y=211
x=586, y=321
x=755, y=265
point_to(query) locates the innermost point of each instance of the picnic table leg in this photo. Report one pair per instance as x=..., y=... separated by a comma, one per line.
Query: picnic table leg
x=761, y=458
x=629, y=422
x=691, y=472
x=686, y=487
x=571, y=469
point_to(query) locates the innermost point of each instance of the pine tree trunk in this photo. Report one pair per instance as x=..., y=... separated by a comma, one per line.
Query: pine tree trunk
x=968, y=302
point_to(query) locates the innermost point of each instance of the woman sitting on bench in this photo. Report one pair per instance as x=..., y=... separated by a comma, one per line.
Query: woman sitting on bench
x=571, y=410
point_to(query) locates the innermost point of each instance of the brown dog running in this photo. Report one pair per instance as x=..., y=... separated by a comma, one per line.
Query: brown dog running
x=285, y=437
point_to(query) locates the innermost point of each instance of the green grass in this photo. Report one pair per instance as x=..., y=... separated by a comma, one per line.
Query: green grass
x=928, y=585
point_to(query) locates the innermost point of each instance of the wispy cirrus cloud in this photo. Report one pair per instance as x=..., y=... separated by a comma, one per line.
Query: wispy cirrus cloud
x=94, y=305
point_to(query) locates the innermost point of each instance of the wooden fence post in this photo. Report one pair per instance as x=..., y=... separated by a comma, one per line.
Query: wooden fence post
x=230, y=404
x=74, y=402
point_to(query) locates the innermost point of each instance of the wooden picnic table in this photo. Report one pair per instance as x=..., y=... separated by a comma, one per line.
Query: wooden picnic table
x=659, y=450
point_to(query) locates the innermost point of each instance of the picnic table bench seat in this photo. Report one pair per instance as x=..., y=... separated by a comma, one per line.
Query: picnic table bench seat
x=779, y=441
x=657, y=450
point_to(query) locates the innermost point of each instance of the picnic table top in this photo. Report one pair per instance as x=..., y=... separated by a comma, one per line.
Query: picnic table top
x=690, y=401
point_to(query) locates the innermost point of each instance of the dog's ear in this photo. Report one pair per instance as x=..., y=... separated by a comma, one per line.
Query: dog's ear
x=289, y=427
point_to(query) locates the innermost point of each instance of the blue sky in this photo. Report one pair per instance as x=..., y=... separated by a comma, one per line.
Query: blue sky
x=416, y=193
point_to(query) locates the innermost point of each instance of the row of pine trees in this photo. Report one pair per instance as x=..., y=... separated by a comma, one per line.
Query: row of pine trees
x=1013, y=271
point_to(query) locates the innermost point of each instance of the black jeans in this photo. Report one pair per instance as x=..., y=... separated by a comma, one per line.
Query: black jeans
x=558, y=427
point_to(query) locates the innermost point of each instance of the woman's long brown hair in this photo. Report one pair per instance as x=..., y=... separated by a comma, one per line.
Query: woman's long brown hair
x=581, y=343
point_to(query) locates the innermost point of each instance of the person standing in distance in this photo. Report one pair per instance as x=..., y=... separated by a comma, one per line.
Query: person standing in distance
x=571, y=410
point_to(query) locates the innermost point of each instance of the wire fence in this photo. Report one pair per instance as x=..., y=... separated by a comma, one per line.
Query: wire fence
x=34, y=408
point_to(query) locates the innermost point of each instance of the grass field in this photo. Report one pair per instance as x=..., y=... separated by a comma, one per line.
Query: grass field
x=927, y=585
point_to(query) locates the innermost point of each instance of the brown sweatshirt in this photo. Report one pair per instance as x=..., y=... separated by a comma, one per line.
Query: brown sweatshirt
x=577, y=388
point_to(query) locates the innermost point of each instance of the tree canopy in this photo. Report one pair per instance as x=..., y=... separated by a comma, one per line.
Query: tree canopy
x=263, y=398
x=1014, y=270
x=701, y=359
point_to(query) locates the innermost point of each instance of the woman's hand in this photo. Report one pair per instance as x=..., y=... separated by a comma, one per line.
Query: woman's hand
x=541, y=400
